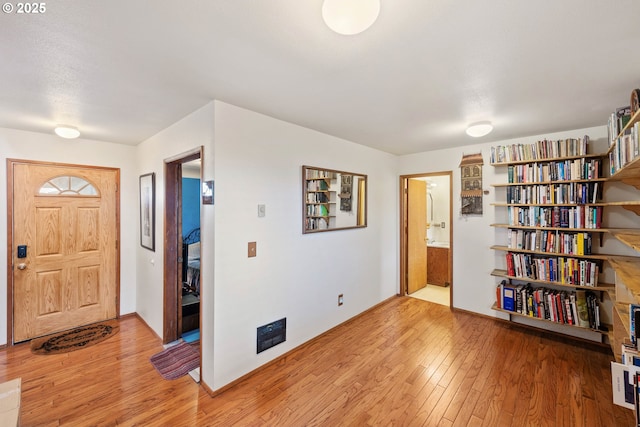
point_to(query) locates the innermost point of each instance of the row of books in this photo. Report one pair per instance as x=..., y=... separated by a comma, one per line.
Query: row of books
x=562, y=270
x=316, y=223
x=561, y=170
x=318, y=198
x=539, y=150
x=317, y=173
x=574, y=192
x=578, y=308
x=556, y=216
x=559, y=242
x=625, y=149
x=617, y=121
x=318, y=210
x=317, y=185
x=625, y=376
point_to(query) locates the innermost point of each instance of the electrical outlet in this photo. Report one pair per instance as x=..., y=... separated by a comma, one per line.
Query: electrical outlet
x=340, y=299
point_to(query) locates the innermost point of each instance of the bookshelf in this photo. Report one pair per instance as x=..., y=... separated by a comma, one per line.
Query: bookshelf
x=553, y=208
x=320, y=199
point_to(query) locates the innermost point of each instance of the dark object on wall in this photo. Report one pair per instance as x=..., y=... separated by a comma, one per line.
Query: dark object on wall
x=346, y=190
x=471, y=180
x=271, y=335
x=148, y=211
x=207, y=193
x=635, y=101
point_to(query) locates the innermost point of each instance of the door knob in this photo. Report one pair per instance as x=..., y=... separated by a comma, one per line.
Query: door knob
x=22, y=266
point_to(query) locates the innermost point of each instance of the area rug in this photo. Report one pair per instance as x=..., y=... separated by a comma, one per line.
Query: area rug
x=176, y=361
x=75, y=339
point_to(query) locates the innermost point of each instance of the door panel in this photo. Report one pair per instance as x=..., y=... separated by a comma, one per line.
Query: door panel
x=416, y=235
x=70, y=274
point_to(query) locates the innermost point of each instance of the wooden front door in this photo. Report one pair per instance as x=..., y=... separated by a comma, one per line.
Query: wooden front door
x=64, y=246
x=416, y=235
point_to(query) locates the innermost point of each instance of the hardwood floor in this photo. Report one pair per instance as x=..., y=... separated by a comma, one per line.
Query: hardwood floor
x=407, y=362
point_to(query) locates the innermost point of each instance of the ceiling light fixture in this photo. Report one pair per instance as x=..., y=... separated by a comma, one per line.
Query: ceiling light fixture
x=479, y=129
x=350, y=17
x=66, y=131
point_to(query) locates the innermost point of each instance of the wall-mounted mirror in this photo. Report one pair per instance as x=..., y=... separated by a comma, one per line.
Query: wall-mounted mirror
x=333, y=200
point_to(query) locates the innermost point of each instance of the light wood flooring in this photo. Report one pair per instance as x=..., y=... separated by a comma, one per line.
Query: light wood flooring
x=407, y=362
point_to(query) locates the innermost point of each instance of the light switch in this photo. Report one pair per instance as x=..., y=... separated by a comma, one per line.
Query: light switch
x=262, y=211
x=252, y=249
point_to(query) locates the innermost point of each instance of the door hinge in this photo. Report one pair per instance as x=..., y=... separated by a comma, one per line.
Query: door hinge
x=116, y=244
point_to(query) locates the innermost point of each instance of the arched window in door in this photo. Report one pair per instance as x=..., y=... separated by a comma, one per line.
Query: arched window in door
x=68, y=186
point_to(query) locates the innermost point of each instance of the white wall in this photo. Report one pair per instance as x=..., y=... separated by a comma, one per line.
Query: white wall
x=473, y=261
x=258, y=160
x=186, y=135
x=23, y=145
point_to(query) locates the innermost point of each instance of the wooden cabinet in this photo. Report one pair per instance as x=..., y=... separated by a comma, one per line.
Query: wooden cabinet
x=438, y=266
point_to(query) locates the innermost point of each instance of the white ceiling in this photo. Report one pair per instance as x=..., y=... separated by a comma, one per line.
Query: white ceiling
x=122, y=70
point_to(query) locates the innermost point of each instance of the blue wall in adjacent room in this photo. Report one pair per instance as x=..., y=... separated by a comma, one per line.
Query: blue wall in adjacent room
x=190, y=205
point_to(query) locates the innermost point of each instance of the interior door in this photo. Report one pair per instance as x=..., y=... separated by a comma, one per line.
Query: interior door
x=416, y=235
x=64, y=243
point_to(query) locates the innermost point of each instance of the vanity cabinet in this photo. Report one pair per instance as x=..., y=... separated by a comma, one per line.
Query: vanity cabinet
x=438, y=266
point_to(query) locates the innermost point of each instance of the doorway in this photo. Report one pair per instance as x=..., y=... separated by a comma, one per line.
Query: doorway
x=426, y=235
x=182, y=296
x=64, y=254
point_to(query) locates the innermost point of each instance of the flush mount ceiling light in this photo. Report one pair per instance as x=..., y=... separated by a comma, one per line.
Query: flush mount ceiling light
x=350, y=17
x=479, y=129
x=66, y=131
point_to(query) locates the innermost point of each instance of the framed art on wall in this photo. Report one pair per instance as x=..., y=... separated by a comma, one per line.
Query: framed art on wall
x=148, y=211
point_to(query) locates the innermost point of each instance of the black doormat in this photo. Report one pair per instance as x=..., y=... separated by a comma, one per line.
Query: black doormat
x=75, y=339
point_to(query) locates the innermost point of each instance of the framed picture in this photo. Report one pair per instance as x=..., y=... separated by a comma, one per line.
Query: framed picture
x=148, y=211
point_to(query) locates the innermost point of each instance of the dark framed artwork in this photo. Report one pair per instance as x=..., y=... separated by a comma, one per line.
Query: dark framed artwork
x=148, y=211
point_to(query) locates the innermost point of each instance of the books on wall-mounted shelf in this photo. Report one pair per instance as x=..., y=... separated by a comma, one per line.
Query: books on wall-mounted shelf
x=545, y=149
x=550, y=241
x=557, y=269
x=568, y=193
x=577, y=216
x=580, y=308
x=541, y=171
x=624, y=134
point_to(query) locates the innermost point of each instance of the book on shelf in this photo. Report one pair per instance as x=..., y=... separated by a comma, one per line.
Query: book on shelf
x=634, y=310
x=581, y=304
x=623, y=382
x=508, y=297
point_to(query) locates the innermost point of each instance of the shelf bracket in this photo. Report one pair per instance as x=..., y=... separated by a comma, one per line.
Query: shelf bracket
x=633, y=208
x=635, y=182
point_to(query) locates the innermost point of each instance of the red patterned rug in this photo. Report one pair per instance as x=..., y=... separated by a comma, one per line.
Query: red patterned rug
x=176, y=361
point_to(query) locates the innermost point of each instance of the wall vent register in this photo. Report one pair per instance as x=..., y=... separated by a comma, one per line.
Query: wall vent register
x=271, y=335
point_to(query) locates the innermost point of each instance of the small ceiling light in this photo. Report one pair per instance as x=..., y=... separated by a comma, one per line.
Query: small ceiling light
x=479, y=129
x=66, y=131
x=350, y=17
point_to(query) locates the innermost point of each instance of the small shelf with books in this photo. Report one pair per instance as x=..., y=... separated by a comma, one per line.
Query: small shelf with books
x=605, y=329
x=320, y=199
x=624, y=146
x=571, y=308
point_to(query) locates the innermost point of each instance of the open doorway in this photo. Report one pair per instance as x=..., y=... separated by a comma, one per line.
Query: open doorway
x=182, y=297
x=426, y=235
